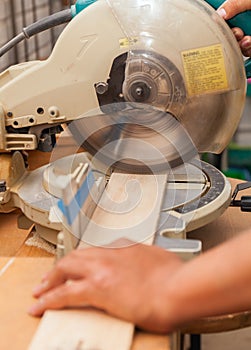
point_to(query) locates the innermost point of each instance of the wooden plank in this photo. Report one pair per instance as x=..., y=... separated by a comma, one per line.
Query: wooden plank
x=129, y=208
x=148, y=341
x=72, y=325
x=82, y=329
x=16, y=283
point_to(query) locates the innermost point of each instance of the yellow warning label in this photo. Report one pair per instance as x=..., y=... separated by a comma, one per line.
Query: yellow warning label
x=205, y=70
x=126, y=42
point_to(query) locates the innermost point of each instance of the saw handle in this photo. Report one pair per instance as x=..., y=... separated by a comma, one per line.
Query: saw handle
x=243, y=21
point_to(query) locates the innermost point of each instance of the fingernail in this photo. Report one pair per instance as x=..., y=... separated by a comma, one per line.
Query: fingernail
x=41, y=287
x=221, y=12
x=235, y=31
x=246, y=44
x=36, y=308
x=32, y=310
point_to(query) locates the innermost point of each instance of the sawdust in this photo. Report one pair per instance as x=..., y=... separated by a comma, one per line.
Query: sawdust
x=37, y=241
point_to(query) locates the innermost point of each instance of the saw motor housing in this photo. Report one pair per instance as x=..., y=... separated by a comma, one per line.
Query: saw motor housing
x=178, y=57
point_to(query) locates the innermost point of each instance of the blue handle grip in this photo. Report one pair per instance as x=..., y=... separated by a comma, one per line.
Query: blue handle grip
x=243, y=21
x=80, y=5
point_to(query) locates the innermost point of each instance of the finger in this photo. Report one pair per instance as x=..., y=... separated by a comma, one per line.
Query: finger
x=74, y=293
x=238, y=33
x=246, y=52
x=64, y=270
x=54, y=278
x=230, y=8
x=245, y=45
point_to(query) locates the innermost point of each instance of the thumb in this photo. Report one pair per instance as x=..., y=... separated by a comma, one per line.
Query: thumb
x=230, y=8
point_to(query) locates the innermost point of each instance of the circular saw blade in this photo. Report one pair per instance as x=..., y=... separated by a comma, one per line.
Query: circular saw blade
x=139, y=138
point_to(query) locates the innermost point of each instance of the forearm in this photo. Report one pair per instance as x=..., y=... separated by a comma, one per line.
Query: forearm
x=149, y=286
x=217, y=282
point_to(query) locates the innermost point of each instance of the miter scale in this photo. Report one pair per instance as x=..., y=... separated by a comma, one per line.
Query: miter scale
x=142, y=92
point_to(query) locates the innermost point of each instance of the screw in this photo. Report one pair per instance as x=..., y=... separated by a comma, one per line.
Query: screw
x=101, y=87
x=139, y=91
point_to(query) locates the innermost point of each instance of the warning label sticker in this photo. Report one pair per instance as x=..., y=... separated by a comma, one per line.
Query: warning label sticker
x=204, y=70
x=126, y=42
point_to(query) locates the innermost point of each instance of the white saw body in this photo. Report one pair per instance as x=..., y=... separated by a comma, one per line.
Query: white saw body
x=144, y=86
x=195, y=194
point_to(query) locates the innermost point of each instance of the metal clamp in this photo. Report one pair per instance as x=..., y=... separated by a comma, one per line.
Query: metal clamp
x=245, y=202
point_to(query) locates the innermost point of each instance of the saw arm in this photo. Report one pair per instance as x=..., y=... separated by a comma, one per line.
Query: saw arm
x=37, y=97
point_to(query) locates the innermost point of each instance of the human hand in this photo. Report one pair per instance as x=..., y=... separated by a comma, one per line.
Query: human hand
x=229, y=9
x=129, y=283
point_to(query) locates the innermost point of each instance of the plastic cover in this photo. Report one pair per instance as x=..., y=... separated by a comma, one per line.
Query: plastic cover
x=202, y=62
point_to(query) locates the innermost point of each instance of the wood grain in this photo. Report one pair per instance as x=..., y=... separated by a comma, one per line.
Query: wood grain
x=11, y=237
x=148, y=341
x=4, y=264
x=82, y=329
x=16, y=284
x=129, y=208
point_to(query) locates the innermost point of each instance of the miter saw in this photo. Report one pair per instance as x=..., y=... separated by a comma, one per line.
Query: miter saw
x=143, y=86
